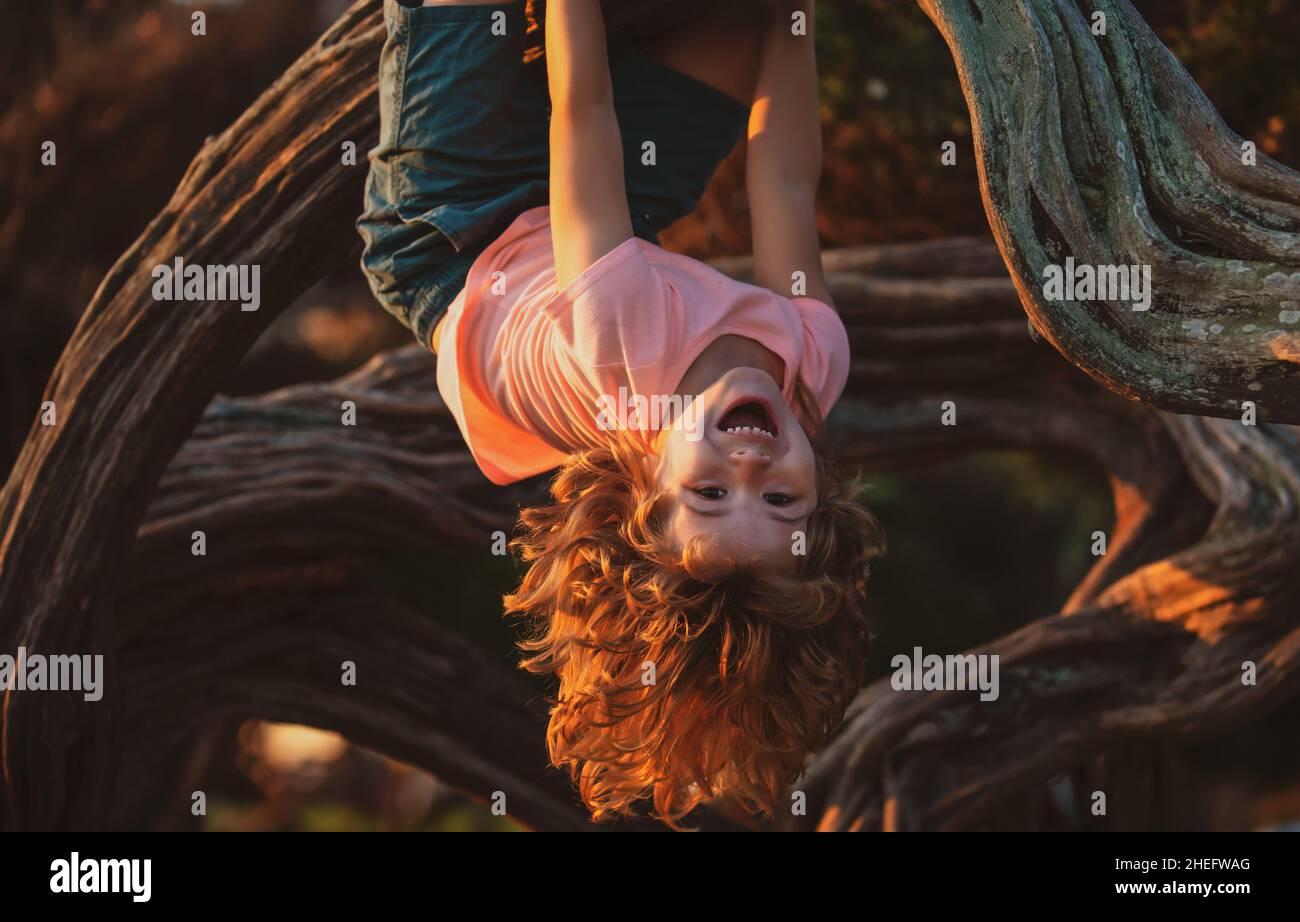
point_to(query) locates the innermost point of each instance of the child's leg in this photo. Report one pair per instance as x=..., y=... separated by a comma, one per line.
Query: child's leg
x=462, y=149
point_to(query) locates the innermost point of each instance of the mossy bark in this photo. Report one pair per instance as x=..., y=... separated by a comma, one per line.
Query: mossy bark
x=1102, y=148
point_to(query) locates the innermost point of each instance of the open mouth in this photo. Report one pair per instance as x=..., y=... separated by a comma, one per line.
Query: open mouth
x=749, y=418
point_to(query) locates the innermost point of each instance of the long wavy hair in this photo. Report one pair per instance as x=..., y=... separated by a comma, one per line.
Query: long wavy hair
x=685, y=676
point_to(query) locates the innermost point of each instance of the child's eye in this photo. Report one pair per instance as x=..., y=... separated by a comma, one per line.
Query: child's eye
x=778, y=499
x=710, y=492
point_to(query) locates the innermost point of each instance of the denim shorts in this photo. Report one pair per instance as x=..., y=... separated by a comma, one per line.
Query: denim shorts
x=463, y=147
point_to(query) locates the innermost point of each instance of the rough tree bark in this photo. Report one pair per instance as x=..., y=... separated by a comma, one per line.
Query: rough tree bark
x=1103, y=148
x=1198, y=578
x=133, y=380
x=1158, y=653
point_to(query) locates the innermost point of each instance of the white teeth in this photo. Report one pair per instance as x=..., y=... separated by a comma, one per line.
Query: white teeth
x=734, y=430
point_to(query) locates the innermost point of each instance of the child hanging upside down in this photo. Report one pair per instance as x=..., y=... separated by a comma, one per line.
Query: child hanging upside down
x=695, y=583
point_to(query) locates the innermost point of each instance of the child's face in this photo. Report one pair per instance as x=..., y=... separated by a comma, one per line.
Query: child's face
x=743, y=472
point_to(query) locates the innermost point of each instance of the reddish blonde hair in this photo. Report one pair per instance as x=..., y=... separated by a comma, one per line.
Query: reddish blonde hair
x=751, y=670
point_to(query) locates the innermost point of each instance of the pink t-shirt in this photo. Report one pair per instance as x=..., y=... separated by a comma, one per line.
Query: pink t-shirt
x=523, y=366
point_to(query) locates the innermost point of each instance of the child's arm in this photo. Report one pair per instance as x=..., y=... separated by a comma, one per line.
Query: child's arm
x=784, y=161
x=589, y=210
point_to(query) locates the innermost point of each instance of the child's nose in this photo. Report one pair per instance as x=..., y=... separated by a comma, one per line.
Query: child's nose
x=751, y=457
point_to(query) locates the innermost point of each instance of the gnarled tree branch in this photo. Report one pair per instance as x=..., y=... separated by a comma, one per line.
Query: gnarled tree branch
x=1102, y=148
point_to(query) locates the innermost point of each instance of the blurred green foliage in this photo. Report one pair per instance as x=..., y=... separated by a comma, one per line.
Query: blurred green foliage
x=891, y=97
x=978, y=547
